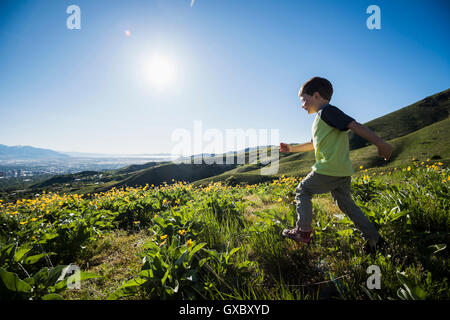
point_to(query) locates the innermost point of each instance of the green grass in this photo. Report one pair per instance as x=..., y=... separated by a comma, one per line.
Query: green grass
x=224, y=242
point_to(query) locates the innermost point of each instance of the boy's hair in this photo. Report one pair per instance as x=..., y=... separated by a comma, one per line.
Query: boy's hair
x=317, y=84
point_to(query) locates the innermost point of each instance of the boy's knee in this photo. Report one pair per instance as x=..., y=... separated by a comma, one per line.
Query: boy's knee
x=349, y=207
x=301, y=191
x=344, y=202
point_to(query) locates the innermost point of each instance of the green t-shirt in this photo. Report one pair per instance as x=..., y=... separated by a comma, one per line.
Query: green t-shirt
x=330, y=140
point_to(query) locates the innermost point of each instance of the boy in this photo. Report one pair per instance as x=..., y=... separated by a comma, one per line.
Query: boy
x=333, y=169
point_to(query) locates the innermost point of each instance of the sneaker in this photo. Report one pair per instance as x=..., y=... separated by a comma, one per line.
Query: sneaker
x=380, y=246
x=298, y=235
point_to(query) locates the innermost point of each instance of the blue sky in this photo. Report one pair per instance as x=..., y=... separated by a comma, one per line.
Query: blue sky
x=238, y=64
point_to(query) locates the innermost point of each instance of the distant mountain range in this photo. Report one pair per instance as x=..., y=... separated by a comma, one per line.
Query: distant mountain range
x=28, y=153
x=32, y=153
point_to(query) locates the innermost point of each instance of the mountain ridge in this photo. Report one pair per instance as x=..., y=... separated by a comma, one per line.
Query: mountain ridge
x=28, y=152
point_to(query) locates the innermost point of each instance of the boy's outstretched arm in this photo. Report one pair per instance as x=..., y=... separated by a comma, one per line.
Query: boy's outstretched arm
x=384, y=148
x=300, y=148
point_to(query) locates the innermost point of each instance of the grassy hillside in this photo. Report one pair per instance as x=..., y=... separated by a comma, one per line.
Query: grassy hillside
x=137, y=167
x=220, y=242
x=430, y=142
x=188, y=172
x=165, y=173
x=64, y=178
x=408, y=119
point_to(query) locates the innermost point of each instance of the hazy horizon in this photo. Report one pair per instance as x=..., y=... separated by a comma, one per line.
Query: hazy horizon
x=140, y=155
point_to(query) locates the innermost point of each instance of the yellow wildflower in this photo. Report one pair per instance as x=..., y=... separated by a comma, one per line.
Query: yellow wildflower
x=163, y=237
x=279, y=199
x=361, y=167
x=181, y=232
x=23, y=222
x=409, y=168
x=189, y=242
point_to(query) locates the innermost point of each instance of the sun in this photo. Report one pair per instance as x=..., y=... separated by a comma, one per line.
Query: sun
x=160, y=71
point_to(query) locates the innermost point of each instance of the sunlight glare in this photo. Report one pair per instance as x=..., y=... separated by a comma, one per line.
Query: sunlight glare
x=160, y=71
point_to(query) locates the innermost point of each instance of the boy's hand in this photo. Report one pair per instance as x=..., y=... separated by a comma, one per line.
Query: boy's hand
x=285, y=147
x=385, y=150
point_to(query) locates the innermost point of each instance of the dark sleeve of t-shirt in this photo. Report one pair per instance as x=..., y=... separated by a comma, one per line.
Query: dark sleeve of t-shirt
x=334, y=117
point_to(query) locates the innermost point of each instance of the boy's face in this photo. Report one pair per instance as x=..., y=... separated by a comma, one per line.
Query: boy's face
x=310, y=103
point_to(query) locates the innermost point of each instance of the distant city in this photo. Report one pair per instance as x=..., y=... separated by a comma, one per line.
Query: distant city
x=31, y=168
x=26, y=165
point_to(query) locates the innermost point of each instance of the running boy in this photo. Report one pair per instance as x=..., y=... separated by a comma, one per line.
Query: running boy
x=332, y=170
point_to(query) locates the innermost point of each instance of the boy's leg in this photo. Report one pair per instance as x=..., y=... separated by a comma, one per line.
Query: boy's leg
x=345, y=202
x=314, y=183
